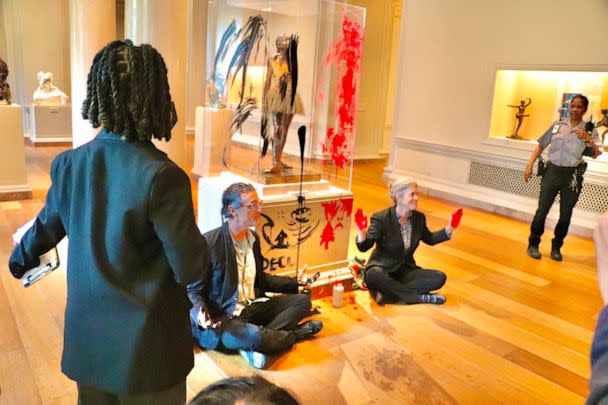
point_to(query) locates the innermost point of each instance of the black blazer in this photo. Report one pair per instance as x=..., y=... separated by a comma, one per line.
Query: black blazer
x=133, y=245
x=219, y=294
x=384, y=231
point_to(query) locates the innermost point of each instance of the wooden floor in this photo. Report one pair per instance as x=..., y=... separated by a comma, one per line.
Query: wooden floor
x=513, y=330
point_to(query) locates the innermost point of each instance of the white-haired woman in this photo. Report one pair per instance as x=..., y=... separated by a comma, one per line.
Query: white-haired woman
x=392, y=274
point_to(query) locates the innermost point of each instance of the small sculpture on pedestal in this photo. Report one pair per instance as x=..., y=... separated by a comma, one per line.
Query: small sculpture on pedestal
x=519, y=116
x=603, y=123
x=47, y=93
x=5, y=89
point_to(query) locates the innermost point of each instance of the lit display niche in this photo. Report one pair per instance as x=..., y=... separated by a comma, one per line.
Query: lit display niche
x=527, y=102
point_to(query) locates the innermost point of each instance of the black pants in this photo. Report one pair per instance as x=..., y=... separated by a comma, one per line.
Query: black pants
x=175, y=395
x=556, y=179
x=404, y=285
x=266, y=326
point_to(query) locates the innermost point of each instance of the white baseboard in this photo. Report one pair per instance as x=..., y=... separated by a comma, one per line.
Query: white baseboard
x=15, y=188
x=367, y=156
x=62, y=139
x=522, y=208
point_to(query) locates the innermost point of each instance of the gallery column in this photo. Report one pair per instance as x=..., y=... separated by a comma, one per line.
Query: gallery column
x=374, y=76
x=92, y=26
x=164, y=25
x=197, y=52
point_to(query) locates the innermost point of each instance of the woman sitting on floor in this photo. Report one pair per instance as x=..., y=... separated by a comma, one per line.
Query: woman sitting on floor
x=391, y=273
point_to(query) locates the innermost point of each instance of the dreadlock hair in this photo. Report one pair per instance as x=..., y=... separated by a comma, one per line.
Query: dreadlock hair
x=128, y=92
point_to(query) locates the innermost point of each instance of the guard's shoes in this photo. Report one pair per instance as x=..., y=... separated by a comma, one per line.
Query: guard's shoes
x=307, y=329
x=255, y=359
x=556, y=255
x=534, y=253
x=437, y=299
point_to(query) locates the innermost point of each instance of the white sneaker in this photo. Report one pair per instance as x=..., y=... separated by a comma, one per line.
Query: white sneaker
x=255, y=359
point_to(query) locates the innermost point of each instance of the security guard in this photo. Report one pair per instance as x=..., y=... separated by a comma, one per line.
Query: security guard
x=563, y=173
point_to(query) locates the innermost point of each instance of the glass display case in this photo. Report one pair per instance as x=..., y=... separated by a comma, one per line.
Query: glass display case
x=527, y=102
x=281, y=113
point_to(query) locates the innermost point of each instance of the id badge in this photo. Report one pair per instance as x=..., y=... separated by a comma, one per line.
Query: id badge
x=555, y=129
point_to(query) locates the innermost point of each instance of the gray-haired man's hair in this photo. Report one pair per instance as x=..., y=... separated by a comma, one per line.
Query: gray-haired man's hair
x=232, y=197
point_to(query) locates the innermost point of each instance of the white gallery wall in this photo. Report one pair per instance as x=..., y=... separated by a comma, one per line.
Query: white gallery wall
x=197, y=50
x=450, y=51
x=36, y=38
x=397, y=6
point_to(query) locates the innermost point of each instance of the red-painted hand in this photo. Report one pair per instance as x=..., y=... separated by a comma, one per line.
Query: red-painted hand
x=456, y=218
x=360, y=219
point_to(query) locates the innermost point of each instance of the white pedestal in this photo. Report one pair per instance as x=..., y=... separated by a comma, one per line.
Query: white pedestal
x=211, y=136
x=325, y=219
x=13, y=179
x=49, y=123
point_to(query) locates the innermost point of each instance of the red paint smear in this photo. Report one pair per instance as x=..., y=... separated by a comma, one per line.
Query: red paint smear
x=456, y=216
x=347, y=206
x=339, y=149
x=360, y=219
x=327, y=236
x=345, y=54
x=336, y=146
x=343, y=207
x=331, y=209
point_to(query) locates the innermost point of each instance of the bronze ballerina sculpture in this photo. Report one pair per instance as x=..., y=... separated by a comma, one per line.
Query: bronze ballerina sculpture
x=603, y=123
x=281, y=99
x=519, y=116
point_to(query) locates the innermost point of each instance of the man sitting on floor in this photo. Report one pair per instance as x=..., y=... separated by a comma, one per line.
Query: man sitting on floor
x=231, y=309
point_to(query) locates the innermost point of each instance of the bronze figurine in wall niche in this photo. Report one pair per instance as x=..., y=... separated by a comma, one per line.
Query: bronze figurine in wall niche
x=5, y=89
x=519, y=116
x=603, y=123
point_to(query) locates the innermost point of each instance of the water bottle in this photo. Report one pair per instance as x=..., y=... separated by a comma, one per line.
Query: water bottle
x=338, y=293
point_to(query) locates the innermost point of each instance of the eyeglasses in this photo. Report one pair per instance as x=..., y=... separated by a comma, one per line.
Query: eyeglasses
x=254, y=205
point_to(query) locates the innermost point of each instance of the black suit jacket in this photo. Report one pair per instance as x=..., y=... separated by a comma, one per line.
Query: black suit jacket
x=133, y=245
x=219, y=294
x=384, y=231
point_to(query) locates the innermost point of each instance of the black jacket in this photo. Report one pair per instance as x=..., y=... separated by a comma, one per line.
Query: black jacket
x=219, y=294
x=133, y=245
x=385, y=232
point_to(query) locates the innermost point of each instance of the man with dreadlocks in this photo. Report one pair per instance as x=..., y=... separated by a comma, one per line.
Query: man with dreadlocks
x=133, y=242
